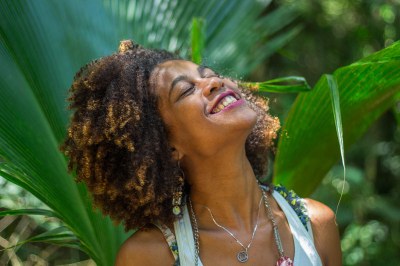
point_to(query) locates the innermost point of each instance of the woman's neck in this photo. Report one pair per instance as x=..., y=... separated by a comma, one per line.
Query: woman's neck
x=226, y=185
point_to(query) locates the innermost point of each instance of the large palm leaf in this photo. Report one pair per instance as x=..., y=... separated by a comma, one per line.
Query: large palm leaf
x=308, y=147
x=42, y=44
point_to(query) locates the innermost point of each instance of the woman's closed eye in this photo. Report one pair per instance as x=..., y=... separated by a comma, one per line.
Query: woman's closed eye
x=187, y=91
x=206, y=72
x=212, y=75
x=190, y=87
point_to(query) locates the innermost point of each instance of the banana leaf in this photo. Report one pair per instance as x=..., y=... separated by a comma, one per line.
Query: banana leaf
x=308, y=146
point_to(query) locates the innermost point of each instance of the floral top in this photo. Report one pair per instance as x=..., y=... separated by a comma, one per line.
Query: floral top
x=298, y=204
x=171, y=240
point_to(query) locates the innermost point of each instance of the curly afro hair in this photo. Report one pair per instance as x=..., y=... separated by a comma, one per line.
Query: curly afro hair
x=118, y=143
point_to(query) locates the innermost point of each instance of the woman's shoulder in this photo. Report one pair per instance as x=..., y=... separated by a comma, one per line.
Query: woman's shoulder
x=145, y=247
x=325, y=231
x=308, y=209
x=320, y=214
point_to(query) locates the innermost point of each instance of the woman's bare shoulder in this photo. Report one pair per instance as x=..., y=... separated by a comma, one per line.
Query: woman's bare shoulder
x=325, y=231
x=145, y=247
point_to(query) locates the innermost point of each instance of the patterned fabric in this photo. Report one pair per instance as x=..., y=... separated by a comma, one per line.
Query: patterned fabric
x=171, y=240
x=297, y=203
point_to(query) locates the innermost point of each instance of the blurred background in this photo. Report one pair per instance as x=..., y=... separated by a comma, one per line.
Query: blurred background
x=338, y=32
x=334, y=33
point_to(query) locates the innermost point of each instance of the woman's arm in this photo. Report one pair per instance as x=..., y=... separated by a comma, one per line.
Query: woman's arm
x=326, y=233
x=145, y=248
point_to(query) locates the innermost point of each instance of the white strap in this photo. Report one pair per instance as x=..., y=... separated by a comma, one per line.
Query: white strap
x=184, y=238
x=305, y=252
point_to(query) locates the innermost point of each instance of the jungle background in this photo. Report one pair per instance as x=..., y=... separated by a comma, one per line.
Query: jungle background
x=332, y=33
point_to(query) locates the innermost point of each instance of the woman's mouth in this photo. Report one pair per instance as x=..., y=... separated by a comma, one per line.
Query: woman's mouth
x=228, y=101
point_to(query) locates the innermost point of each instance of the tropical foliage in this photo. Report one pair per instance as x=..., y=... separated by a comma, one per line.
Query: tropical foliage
x=337, y=32
x=308, y=148
x=42, y=44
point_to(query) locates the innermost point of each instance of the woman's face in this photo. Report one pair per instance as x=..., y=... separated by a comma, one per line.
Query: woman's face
x=202, y=111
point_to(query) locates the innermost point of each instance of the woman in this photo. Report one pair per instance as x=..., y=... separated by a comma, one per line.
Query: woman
x=174, y=150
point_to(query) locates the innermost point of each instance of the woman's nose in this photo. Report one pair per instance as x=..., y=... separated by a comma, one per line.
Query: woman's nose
x=211, y=85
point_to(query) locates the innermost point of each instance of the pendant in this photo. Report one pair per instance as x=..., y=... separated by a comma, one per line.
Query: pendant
x=242, y=256
x=284, y=261
x=176, y=210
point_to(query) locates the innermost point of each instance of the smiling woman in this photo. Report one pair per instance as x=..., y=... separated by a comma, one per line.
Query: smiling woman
x=176, y=151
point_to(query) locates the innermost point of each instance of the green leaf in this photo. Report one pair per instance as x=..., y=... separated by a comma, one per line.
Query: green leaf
x=59, y=236
x=279, y=85
x=335, y=100
x=198, y=39
x=396, y=112
x=229, y=37
x=42, y=212
x=307, y=148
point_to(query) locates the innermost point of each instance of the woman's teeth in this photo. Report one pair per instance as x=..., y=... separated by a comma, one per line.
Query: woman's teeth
x=224, y=103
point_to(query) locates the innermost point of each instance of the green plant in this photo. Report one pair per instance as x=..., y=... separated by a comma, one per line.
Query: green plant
x=308, y=149
x=43, y=42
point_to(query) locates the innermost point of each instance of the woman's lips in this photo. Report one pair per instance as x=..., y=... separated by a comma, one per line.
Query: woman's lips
x=228, y=107
x=225, y=100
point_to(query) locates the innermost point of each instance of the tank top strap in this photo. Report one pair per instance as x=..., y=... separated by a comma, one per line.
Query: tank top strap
x=305, y=251
x=171, y=241
x=185, y=240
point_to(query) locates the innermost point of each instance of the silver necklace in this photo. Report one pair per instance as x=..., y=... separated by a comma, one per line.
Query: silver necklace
x=196, y=234
x=243, y=255
x=283, y=260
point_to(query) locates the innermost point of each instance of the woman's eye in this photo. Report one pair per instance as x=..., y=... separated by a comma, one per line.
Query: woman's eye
x=211, y=75
x=187, y=91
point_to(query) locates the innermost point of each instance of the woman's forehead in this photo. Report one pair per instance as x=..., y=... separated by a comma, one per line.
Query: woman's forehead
x=172, y=67
x=165, y=73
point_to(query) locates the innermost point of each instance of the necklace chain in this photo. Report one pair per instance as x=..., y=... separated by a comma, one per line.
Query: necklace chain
x=196, y=234
x=277, y=237
x=282, y=260
x=242, y=256
x=231, y=234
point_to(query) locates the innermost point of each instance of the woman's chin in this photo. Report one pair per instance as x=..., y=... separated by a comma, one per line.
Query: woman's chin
x=244, y=118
